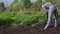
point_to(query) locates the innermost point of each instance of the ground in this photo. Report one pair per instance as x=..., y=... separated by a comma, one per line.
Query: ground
x=31, y=29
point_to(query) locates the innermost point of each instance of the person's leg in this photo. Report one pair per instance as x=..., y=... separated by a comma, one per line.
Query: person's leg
x=56, y=19
x=50, y=13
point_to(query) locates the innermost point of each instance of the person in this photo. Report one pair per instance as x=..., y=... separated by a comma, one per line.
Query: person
x=52, y=10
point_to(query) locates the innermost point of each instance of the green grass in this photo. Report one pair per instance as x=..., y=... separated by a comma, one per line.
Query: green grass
x=8, y=18
x=20, y=18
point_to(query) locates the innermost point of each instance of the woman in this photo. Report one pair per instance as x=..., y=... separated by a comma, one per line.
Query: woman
x=52, y=10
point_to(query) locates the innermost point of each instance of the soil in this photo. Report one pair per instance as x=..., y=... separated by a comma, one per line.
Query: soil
x=31, y=29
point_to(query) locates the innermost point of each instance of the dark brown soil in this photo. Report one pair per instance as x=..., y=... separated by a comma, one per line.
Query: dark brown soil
x=31, y=29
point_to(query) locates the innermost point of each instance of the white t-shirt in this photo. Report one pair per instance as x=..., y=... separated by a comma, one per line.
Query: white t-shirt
x=47, y=5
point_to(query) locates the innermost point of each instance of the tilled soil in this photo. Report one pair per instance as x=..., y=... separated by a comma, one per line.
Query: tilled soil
x=31, y=29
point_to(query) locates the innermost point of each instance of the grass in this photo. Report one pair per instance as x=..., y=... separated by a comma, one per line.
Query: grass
x=20, y=18
x=8, y=18
x=28, y=17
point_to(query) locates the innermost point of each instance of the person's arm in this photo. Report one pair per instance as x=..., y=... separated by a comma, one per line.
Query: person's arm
x=43, y=7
